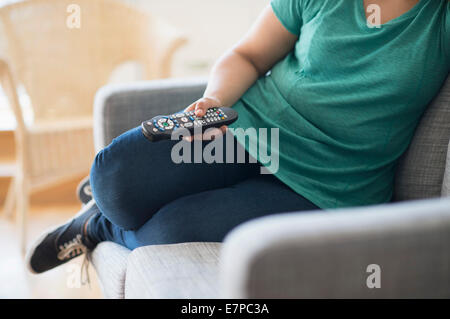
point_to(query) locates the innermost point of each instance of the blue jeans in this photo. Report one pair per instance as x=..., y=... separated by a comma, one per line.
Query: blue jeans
x=144, y=198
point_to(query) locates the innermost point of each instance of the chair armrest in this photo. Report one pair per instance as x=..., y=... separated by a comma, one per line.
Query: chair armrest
x=120, y=107
x=166, y=41
x=327, y=254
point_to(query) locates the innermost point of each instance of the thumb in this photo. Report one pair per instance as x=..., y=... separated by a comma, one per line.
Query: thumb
x=201, y=107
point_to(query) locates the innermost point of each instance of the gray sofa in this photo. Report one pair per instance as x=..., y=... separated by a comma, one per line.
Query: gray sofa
x=320, y=255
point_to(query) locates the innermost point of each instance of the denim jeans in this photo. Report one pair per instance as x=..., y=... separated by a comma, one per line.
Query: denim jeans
x=144, y=198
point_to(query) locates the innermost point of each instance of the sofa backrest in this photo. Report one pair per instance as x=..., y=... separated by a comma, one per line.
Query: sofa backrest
x=423, y=171
x=446, y=184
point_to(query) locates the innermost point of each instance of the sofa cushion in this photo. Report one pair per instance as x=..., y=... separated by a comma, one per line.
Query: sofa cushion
x=110, y=262
x=173, y=271
x=421, y=169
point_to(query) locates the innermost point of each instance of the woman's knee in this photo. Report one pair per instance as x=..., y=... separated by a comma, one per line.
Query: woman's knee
x=115, y=161
x=111, y=180
x=107, y=170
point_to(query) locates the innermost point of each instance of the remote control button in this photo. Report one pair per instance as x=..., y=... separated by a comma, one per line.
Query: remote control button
x=161, y=129
x=155, y=130
x=191, y=118
x=188, y=124
x=184, y=119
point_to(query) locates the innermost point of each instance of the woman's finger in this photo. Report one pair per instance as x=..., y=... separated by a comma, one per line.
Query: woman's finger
x=190, y=107
x=202, y=106
x=224, y=129
x=212, y=133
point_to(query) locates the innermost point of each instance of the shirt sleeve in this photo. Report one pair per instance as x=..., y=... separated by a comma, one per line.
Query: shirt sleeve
x=289, y=12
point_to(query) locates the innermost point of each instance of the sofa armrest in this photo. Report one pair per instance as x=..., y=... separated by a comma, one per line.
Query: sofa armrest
x=327, y=254
x=120, y=107
x=446, y=183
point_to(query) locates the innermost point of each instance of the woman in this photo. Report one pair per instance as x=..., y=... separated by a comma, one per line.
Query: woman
x=345, y=94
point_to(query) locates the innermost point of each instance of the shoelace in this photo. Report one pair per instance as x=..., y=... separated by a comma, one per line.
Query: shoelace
x=74, y=248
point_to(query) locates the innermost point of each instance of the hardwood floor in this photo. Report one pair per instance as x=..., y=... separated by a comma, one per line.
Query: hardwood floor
x=48, y=208
x=62, y=282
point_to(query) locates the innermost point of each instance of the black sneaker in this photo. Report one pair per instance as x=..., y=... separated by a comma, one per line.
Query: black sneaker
x=84, y=191
x=61, y=244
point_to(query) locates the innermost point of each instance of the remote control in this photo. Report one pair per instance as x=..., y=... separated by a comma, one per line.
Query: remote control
x=161, y=127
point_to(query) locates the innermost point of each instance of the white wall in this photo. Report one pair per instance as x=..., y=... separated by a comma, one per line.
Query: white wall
x=212, y=26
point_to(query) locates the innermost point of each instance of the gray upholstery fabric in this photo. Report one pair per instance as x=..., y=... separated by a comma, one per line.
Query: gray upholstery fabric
x=446, y=186
x=110, y=263
x=326, y=255
x=119, y=108
x=421, y=170
x=173, y=271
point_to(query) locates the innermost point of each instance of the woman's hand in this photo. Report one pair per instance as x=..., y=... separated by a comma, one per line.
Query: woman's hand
x=200, y=107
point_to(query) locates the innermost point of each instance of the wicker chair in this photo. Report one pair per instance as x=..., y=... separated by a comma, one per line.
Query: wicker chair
x=61, y=68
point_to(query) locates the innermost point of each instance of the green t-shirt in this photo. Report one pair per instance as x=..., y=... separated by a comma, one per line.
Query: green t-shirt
x=348, y=98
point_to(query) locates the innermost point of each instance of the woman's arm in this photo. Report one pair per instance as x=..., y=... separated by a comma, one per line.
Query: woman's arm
x=267, y=42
